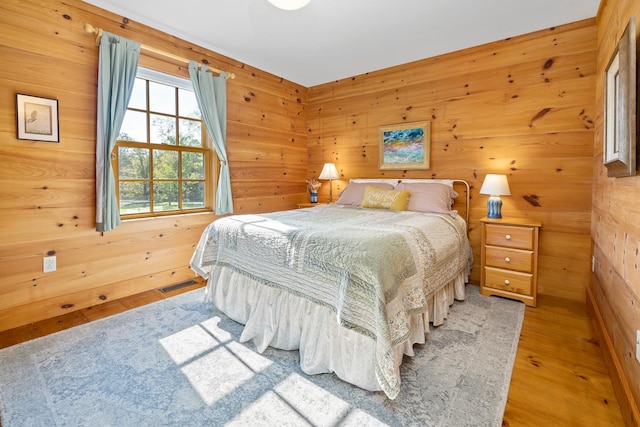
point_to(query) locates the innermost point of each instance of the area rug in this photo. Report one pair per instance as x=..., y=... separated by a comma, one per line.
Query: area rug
x=178, y=362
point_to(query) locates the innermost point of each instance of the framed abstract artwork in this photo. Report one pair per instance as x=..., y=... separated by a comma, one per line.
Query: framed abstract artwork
x=405, y=146
x=37, y=118
x=619, y=150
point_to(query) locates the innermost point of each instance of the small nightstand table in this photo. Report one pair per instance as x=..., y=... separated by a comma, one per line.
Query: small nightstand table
x=309, y=205
x=510, y=258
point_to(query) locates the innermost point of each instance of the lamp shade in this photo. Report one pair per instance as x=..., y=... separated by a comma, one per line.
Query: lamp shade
x=329, y=171
x=495, y=185
x=289, y=4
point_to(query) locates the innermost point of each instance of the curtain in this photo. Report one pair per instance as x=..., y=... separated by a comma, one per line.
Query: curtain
x=211, y=94
x=116, y=76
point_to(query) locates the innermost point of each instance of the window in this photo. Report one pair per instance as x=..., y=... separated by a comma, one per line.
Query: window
x=163, y=155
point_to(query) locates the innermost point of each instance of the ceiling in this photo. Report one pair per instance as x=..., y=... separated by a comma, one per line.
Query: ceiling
x=333, y=39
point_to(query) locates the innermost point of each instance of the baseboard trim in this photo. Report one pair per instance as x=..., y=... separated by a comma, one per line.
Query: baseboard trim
x=628, y=406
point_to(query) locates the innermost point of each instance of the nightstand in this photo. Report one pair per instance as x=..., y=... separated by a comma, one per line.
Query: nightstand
x=510, y=258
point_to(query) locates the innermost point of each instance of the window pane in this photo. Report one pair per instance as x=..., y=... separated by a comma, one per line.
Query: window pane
x=165, y=196
x=139, y=96
x=163, y=130
x=192, y=195
x=165, y=164
x=134, y=197
x=187, y=104
x=162, y=98
x=172, y=173
x=190, y=133
x=134, y=127
x=133, y=163
x=192, y=165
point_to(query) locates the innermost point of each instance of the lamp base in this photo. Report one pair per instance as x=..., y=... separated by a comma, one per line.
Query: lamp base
x=330, y=191
x=494, y=206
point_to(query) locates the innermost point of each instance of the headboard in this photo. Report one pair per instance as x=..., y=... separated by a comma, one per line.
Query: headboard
x=461, y=204
x=463, y=189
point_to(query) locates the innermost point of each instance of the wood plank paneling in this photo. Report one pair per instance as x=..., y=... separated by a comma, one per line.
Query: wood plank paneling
x=523, y=107
x=615, y=233
x=47, y=190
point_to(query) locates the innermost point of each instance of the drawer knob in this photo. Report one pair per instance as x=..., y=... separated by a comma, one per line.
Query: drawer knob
x=506, y=281
x=508, y=237
x=507, y=260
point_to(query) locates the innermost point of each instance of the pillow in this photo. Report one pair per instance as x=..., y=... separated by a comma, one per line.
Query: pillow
x=429, y=197
x=391, y=181
x=395, y=200
x=353, y=193
x=448, y=182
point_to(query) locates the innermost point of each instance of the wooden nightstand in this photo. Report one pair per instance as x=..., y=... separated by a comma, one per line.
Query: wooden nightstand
x=510, y=258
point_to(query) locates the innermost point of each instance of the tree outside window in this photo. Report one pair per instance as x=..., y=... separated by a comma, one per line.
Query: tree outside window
x=163, y=156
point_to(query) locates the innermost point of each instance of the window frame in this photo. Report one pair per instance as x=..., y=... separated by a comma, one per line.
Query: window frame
x=210, y=157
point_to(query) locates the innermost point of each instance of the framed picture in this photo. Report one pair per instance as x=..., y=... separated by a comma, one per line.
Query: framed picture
x=620, y=107
x=37, y=118
x=405, y=146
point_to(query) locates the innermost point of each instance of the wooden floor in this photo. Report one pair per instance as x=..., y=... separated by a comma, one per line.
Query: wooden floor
x=559, y=377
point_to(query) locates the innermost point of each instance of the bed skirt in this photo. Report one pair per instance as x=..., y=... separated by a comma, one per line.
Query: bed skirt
x=276, y=318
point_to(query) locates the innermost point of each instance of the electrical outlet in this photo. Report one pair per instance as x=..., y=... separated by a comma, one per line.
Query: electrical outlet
x=48, y=264
x=593, y=263
x=638, y=345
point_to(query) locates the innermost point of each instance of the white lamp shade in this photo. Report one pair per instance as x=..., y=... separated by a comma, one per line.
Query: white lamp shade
x=495, y=185
x=329, y=171
x=289, y=4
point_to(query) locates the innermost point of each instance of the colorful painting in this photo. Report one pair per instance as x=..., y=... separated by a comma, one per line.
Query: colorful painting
x=405, y=146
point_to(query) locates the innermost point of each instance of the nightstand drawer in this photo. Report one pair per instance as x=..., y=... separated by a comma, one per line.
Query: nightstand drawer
x=510, y=281
x=511, y=259
x=509, y=236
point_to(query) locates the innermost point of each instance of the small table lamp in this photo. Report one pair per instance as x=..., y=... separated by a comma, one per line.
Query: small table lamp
x=329, y=172
x=496, y=186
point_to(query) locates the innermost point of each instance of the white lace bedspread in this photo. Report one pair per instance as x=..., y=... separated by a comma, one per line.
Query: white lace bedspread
x=370, y=273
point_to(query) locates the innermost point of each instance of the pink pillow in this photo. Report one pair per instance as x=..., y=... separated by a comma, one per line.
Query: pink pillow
x=354, y=192
x=436, y=198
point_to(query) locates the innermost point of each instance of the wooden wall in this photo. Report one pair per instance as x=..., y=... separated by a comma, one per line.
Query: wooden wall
x=522, y=107
x=47, y=190
x=615, y=232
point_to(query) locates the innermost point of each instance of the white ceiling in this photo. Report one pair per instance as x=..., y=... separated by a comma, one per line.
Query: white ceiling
x=333, y=39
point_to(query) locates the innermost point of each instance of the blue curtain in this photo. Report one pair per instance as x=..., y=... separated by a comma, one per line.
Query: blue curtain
x=116, y=76
x=211, y=94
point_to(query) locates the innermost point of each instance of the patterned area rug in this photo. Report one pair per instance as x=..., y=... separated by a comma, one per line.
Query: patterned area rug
x=178, y=362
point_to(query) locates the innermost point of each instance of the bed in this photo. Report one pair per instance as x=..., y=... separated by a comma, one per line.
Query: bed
x=352, y=285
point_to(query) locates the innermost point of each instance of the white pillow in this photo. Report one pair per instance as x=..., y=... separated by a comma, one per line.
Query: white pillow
x=374, y=180
x=448, y=182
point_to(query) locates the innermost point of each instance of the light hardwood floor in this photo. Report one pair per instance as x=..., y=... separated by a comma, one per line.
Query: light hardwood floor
x=559, y=377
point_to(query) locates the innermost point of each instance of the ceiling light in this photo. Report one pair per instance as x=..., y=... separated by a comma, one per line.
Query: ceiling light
x=289, y=4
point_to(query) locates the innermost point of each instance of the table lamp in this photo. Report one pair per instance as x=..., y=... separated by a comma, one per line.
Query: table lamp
x=329, y=172
x=495, y=185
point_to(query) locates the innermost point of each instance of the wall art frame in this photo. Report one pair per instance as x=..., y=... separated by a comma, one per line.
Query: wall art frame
x=405, y=146
x=620, y=107
x=37, y=118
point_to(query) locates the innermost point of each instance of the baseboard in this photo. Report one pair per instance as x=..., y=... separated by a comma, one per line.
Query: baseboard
x=628, y=406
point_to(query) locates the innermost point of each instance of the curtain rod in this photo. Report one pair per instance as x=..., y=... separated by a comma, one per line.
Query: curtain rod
x=90, y=29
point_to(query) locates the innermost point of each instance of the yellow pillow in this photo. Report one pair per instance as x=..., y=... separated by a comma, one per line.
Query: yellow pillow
x=379, y=198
